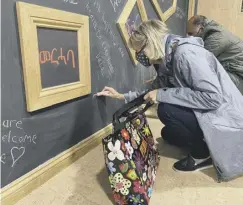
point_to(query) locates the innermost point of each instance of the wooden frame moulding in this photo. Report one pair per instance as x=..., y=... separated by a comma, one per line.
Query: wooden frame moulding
x=191, y=9
x=164, y=16
x=31, y=17
x=121, y=23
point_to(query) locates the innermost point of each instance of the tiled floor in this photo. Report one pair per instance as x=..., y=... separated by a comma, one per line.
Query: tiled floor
x=86, y=183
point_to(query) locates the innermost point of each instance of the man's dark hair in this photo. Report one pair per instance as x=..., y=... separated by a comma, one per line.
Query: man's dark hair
x=200, y=20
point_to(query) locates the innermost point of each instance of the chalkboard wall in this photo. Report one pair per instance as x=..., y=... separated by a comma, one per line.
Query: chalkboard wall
x=30, y=139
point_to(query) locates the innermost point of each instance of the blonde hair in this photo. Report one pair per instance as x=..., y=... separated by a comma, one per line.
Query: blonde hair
x=150, y=34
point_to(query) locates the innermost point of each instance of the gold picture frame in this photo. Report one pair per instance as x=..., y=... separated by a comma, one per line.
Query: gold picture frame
x=32, y=17
x=191, y=8
x=121, y=23
x=164, y=16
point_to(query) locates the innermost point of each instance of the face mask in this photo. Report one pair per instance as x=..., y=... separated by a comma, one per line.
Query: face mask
x=142, y=58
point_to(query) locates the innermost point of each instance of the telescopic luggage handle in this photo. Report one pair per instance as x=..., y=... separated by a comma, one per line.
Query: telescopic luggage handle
x=129, y=107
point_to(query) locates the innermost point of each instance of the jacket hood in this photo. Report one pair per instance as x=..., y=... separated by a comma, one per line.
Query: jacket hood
x=174, y=39
x=191, y=40
x=211, y=27
x=178, y=40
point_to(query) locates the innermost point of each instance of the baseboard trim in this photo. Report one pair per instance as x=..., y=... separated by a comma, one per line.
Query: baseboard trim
x=21, y=187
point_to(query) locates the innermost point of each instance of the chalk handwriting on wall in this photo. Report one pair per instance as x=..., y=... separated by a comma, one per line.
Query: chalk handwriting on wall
x=12, y=123
x=18, y=150
x=101, y=64
x=56, y=56
x=107, y=28
x=180, y=13
x=101, y=29
x=10, y=138
x=94, y=22
x=71, y=1
x=115, y=4
x=3, y=158
x=17, y=153
x=104, y=59
x=131, y=25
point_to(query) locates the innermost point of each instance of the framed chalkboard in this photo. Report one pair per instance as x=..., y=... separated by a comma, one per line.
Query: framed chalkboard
x=133, y=20
x=58, y=56
x=132, y=15
x=55, y=55
x=164, y=15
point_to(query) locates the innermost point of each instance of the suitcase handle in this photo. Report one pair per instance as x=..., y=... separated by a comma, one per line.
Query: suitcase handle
x=130, y=106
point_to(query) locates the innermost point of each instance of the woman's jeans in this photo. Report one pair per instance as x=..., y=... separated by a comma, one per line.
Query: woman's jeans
x=182, y=129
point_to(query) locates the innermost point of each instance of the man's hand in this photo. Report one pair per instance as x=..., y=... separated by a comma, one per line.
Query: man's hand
x=151, y=96
x=110, y=92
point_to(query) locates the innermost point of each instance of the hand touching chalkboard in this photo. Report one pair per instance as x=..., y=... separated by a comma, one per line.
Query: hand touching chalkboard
x=110, y=92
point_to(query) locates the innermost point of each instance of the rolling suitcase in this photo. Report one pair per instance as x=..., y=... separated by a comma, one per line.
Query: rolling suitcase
x=131, y=156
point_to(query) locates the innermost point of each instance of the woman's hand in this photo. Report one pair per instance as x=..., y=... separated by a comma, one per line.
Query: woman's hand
x=110, y=92
x=151, y=96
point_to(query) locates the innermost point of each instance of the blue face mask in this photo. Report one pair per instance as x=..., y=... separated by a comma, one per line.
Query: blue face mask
x=142, y=58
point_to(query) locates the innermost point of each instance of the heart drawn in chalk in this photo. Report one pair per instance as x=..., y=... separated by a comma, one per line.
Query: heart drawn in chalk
x=17, y=153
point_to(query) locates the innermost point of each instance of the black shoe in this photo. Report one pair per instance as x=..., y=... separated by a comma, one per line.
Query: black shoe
x=189, y=164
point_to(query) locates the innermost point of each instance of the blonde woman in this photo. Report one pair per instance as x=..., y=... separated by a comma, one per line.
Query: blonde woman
x=199, y=105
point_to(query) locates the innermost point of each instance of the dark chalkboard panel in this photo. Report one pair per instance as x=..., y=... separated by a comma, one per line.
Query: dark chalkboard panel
x=133, y=20
x=33, y=138
x=165, y=4
x=58, y=50
x=180, y=17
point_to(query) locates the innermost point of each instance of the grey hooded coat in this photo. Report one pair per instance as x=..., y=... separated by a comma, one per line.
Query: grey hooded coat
x=227, y=48
x=202, y=84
